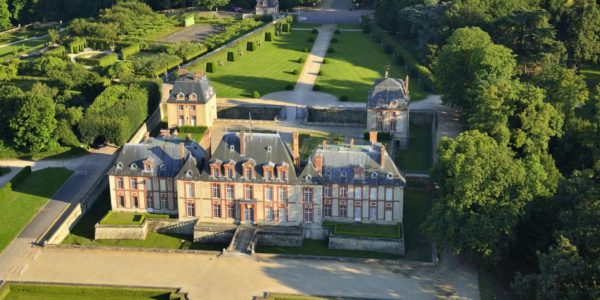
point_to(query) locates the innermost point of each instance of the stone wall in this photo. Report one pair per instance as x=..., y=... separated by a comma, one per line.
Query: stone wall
x=291, y=236
x=121, y=232
x=172, y=226
x=243, y=112
x=381, y=245
x=315, y=231
x=214, y=233
x=343, y=115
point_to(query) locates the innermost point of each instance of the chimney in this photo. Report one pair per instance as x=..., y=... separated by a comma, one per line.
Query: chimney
x=175, y=132
x=296, y=149
x=373, y=137
x=188, y=136
x=146, y=136
x=182, y=151
x=182, y=71
x=198, y=75
x=165, y=132
x=319, y=162
x=406, y=86
x=382, y=159
x=242, y=143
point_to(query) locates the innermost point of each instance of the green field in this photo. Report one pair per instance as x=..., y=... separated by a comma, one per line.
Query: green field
x=23, y=291
x=417, y=203
x=268, y=69
x=355, y=64
x=20, y=203
x=320, y=248
x=83, y=233
x=417, y=157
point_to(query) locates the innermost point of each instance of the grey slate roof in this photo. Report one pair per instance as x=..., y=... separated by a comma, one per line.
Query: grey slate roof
x=340, y=161
x=187, y=85
x=257, y=153
x=165, y=155
x=389, y=92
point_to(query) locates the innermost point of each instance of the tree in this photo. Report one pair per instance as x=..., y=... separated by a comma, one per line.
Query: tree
x=10, y=100
x=483, y=191
x=210, y=4
x=565, y=89
x=34, y=121
x=121, y=70
x=53, y=35
x=4, y=16
x=581, y=32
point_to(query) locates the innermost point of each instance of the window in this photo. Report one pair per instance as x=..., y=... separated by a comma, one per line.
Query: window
x=230, y=173
x=357, y=192
x=269, y=193
x=216, y=191
x=148, y=184
x=136, y=203
x=248, y=172
x=120, y=183
x=393, y=125
x=216, y=210
x=163, y=184
x=191, y=209
x=215, y=171
x=343, y=176
x=149, y=201
x=231, y=211
x=282, y=194
x=380, y=114
x=389, y=194
x=269, y=214
x=163, y=201
x=343, y=191
x=189, y=190
x=283, y=175
x=343, y=211
x=379, y=126
x=180, y=107
x=327, y=210
x=193, y=122
x=327, y=190
x=134, y=185
x=248, y=192
x=308, y=214
x=268, y=174
x=229, y=191
x=358, y=173
x=193, y=107
x=122, y=201
x=308, y=194
x=373, y=194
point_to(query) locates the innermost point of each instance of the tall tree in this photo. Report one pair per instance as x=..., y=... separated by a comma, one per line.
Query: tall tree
x=4, y=16
x=582, y=32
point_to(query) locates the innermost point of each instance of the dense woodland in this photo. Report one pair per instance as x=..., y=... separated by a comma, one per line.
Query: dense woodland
x=519, y=190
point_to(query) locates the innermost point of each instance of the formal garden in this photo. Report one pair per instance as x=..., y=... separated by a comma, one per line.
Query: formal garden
x=23, y=197
x=52, y=291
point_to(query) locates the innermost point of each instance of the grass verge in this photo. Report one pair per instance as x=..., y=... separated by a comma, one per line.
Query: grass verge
x=366, y=230
x=20, y=203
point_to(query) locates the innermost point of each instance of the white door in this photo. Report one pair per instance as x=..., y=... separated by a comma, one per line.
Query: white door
x=388, y=215
x=357, y=214
x=373, y=214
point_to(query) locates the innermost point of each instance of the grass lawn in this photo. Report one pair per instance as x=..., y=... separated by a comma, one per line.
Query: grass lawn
x=24, y=47
x=268, y=69
x=368, y=230
x=356, y=63
x=320, y=248
x=127, y=218
x=20, y=35
x=21, y=203
x=417, y=203
x=309, y=141
x=417, y=157
x=22, y=291
x=83, y=233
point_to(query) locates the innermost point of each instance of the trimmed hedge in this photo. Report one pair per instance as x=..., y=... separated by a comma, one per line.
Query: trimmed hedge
x=108, y=60
x=314, y=31
x=286, y=27
x=230, y=56
x=381, y=136
x=192, y=129
x=76, y=45
x=129, y=51
x=295, y=72
x=289, y=86
x=210, y=67
x=375, y=230
x=301, y=60
x=316, y=87
x=268, y=36
x=255, y=95
x=59, y=51
x=98, y=291
x=251, y=46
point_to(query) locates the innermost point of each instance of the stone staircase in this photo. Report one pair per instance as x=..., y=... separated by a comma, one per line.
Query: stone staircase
x=241, y=244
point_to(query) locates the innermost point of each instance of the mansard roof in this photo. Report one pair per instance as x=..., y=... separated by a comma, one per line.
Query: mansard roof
x=190, y=83
x=261, y=149
x=388, y=93
x=164, y=154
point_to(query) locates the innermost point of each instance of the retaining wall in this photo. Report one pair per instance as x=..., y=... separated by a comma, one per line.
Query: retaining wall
x=282, y=237
x=214, y=233
x=381, y=245
x=242, y=112
x=172, y=226
x=121, y=232
x=337, y=115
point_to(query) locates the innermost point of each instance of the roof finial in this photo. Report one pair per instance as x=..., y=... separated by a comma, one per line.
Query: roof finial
x=386, y=69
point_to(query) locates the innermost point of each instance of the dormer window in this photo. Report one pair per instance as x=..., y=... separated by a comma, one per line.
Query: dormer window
x=308, y=178
x=229, y=169
x=358, y=173
x=380, y=102
x=180, y=96
x=269, y=148
x=148, y=165
x=216, y=171
x=248, y=173
x=343, y=175
x=373, y=175
x=119, y=165
x=268, y=173
x=188, y=173
x=231, y=148
x=394, y=103
x=283, y=175
x=390, y=176
x=133, y=166
x=193, y=97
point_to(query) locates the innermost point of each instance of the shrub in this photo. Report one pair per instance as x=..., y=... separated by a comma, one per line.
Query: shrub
x=58, y=51
x=316, y=87
x=330, y=50
x=314, y=31
x=310, y=39
x=301, y=60
x=230, y=56
x=108, y=60
x=255, y=94
x=289, y=87
x=334, y=40
x=295, y=72
x=321, y=73
x=337, y=31
x=186, y=50
x=324, y=61
x=210, y=67
x=250, y=46
x=76, y=45
x=192, y=129
x=344, y=98
x=268, y=36
x=305, y=49
x=129, y=51
x=286, y=27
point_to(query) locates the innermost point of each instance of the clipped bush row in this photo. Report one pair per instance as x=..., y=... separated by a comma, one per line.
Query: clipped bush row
x=60, y=51
x=76, y=45
x=129, y=51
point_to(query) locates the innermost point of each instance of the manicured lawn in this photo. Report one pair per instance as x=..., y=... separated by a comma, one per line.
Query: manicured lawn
x=83, y=233
x=24, y=47
x=268, y=69
x=20, y=35
x=356, y=63
x=126, y=218
x=417, y=203
x=417, y=157
x=368, y=230
x=22, y=291
x=320, y=248
x=19, y=204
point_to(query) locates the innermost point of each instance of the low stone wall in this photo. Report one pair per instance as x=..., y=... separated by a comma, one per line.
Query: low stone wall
x=243, y=112
x=282, y=236
x=381, y=245
x=121, y=232
x=214, y=233
x=172, y=226
x=341, y=115
x=315, y=231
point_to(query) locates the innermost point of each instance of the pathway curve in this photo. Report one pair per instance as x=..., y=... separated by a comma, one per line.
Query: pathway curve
x=28, y=39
